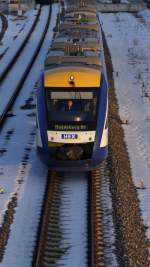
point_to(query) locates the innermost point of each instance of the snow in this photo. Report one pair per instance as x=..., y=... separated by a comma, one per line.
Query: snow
x=7, y=88
x=129, y=43
x=74, y=220
x=30, y=190
x=15, y=34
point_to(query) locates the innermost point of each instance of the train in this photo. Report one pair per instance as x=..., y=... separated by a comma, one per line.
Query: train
x=72, y=98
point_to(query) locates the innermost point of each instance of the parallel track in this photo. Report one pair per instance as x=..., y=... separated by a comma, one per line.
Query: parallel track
x=11, y=101
x=13, y=202
x=6, y=70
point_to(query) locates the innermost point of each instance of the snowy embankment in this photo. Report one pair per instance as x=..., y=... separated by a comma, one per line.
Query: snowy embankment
x=21, y=172
x=128, y=40
x=18, y=29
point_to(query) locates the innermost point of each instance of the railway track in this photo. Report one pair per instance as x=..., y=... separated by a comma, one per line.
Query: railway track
x=90, y=226
x=13, y=60
x=22, y=71
x=16, y=124
x=75, y=222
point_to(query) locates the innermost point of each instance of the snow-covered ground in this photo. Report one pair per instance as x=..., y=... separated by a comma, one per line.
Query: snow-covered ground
x=17, y=30
x=17, y=146
x=128, y=38
x=7, y=88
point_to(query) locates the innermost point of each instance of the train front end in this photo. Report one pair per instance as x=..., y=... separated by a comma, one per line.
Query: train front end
x=72, y=131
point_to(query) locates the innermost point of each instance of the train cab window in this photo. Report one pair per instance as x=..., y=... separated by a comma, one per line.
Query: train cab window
x=71, y=103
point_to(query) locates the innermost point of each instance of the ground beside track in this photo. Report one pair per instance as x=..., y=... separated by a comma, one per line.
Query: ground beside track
x=132, y=243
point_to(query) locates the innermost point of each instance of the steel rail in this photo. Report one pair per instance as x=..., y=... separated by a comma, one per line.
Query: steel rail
x=97, y=239
x=52, y=188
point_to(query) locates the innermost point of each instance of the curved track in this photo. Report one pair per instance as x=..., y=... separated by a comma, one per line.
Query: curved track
x=6, y=70
x=9, y=214
x=23, y=76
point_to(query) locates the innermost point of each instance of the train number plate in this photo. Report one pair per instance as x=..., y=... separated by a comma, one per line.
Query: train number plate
x=69, y=136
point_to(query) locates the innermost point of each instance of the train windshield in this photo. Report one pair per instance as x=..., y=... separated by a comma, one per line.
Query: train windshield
x=72, y=105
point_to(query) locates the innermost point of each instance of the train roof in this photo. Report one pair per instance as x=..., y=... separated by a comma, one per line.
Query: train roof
x=88, y=9
x=73, y=77
x=58, y=60
x=88, y=14
x=85, y=21
x=78, y=33
x=72, y=39
x=78, y=46
x=80, y=17
x=75, y=59
x=74, y=26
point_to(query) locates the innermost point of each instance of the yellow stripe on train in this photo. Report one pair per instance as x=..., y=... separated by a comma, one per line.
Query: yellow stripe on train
x=72, y=77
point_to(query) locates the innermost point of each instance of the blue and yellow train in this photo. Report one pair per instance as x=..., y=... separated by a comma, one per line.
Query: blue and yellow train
x=72, y=99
